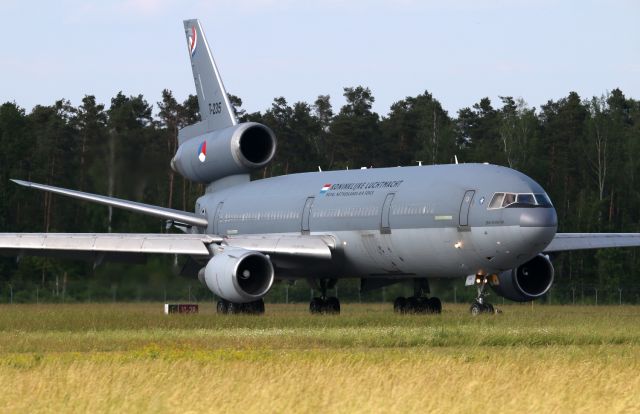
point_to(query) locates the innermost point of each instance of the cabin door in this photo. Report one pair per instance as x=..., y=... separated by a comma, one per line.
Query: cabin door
x=464, y=208
x=216, y=218
x=385, y=225
x=306, y=214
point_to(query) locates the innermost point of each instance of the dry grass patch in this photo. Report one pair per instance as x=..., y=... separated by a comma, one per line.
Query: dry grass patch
x=105, y=358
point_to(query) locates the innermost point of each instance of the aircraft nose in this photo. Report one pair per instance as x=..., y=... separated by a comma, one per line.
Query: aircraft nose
x=539, y=217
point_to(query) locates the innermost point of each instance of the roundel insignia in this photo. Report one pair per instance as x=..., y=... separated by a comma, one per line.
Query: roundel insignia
x=193, y=41
x=202, y=151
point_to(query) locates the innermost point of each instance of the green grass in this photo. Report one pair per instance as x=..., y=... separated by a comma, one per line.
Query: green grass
x=367, y=359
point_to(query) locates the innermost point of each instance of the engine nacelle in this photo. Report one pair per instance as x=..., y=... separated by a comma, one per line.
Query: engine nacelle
x=526, y=282
x=235, y=150
x=238, y=275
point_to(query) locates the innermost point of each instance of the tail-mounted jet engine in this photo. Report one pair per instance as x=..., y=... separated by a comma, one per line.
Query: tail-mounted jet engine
x=234, y=150
x=526, y=282
x=238, y=275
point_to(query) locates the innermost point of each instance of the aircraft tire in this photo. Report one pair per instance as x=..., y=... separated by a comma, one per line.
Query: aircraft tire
x=400, y=304
x=222, y=308
x=259, y=306
x=253, y=308
x=316, y=305
x=476, y=309
x=234, y=308
x=434, y=305
x=413, y=305
x=332, y=305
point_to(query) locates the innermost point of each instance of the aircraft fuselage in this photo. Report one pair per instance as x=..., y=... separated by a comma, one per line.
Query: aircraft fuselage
x=429, y=221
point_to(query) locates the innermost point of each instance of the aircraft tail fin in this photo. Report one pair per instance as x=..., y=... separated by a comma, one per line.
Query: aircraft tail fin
x=215, y=109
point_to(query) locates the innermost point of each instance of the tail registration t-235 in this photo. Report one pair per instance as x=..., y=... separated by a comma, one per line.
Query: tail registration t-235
x=215, y=108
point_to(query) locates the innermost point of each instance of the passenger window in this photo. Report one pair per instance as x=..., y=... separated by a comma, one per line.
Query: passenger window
x=496, y=201
x=509, y=198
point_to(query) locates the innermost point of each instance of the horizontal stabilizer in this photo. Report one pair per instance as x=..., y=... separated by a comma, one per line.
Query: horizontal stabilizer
x=584, y=241
x=148, y=209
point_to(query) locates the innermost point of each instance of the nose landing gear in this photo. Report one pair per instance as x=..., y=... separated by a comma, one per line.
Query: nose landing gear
x=480, y=305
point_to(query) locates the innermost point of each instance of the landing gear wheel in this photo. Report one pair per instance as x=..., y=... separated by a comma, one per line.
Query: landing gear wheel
x=413, y=305
x=434, y=305
x=234, y=308
x=400, y=304
x=332, y=305
x=324, y=304
x=222, y=307
x=476, y=309
x=423, y=305
x=256, y=307
x=316, y=305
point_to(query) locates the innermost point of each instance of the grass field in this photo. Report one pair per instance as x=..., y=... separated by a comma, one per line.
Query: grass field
x=132, y=358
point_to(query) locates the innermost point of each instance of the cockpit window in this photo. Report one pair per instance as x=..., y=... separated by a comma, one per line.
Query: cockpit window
x=543, y=200
x=509, y=198
x=522, y=200
x=526, y=199
x=496, y=201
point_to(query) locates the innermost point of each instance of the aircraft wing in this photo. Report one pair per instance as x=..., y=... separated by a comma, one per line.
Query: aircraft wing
x=583, y=241
x=283, y=249
x=109, y=246
x=148, y=209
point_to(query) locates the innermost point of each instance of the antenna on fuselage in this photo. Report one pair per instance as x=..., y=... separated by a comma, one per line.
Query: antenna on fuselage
x=319, y=169
x=419, y=163
x=455, y=157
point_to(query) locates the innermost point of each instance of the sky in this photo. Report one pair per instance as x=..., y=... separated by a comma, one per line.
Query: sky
x=460, y=51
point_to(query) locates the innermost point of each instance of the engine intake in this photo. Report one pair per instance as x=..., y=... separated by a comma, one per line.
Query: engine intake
x=238, y=275
x=235, y=150
x=526, y=282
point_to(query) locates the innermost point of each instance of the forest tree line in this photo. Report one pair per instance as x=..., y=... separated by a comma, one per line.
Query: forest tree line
x=583, y=151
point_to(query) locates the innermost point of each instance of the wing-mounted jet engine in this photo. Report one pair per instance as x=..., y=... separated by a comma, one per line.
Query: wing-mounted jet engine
x=240, y=277
x=526, y=282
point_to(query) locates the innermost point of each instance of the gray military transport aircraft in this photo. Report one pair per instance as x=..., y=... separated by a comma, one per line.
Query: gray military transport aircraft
x=489, y=224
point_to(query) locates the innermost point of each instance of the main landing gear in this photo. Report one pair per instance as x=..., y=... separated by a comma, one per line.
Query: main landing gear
x=418, y=303
x=480, y=305
x=254, y=308
x=324, y=304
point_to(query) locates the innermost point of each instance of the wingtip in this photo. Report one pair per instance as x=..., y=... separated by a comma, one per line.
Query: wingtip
x=20, y=182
